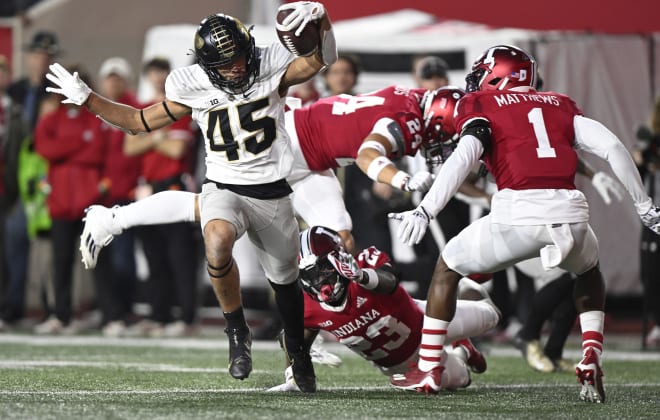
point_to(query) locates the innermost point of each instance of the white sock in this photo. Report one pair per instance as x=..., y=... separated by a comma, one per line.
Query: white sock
x=431, y=350
x=161, y=208
x=591, y=324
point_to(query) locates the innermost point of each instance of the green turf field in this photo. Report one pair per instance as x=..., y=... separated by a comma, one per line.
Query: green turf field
x=92, y=377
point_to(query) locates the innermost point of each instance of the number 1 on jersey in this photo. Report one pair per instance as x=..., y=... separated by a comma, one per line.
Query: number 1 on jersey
x=535, y=117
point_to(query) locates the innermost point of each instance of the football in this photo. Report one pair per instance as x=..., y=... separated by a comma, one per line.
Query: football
x=305, y=44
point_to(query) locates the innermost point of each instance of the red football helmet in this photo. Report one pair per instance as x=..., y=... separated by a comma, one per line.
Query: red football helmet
x=502, y=67
x=318, y=276
x=438, y=114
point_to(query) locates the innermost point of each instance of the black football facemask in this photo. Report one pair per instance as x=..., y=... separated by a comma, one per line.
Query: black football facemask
x=322, y=282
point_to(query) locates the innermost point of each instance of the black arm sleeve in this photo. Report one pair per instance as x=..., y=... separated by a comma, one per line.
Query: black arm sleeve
x=387, y=280
x=479, y=128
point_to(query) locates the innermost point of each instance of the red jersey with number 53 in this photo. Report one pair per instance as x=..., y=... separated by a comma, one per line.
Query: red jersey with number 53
x=383, y=328
x=532, y=137
x=332, y=129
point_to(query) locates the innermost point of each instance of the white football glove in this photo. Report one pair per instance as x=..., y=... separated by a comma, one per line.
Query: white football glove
x=69, y=85
x=651, y=219
x=413, y=225
x=606, y=186
x=421, y=182
x=303, y=13
x=346, y=265
x=289, y=384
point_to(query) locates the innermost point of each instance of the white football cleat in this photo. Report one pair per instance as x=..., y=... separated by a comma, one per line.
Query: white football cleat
x=289, y=384
x=99, y=230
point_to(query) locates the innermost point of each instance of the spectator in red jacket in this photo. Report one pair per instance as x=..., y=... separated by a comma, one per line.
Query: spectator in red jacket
x=74, y=142
x=115, y=274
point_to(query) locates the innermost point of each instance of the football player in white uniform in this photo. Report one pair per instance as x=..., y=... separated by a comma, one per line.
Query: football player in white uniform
x=236, y=93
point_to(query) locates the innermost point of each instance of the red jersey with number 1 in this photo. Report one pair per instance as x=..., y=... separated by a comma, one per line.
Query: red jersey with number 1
x=532, y=137
x=383, y=328
x=331, y=130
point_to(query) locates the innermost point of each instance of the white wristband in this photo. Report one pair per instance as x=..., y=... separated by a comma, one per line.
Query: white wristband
x=399, y=179
x=372, y=278
x=376, y=166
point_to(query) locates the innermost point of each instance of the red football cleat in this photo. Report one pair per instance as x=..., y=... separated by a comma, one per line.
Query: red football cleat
x=475, y=359
x=417, y=380
x=590, y=375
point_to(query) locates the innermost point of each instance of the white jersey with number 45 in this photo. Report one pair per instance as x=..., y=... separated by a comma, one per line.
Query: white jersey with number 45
x=246, y=142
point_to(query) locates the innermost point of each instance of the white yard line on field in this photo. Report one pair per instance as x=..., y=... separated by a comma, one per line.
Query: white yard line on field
x=215, y=344
x=96, y=340
x=608, y=355
x=143, y=367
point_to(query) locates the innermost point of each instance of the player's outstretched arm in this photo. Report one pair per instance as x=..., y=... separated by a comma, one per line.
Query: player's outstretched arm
x=373, y=161
x=124, y=117
x=593, y=137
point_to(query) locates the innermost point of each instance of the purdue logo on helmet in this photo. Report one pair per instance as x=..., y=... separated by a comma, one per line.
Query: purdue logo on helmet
x=220, y=40
x=318, y=277
x=438, y=113
x=502, y=67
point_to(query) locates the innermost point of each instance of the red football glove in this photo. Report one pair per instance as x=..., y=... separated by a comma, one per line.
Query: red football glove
x=346, y=265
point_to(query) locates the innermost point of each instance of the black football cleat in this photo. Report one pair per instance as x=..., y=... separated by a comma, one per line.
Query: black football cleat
x=240, y=352
x=303, y=369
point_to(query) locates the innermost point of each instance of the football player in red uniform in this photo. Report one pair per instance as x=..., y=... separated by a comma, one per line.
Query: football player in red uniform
x=369, y=130
x=359, y=301
x=528, y=141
